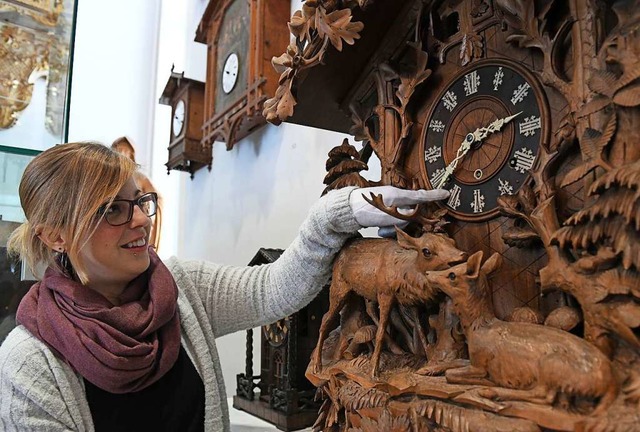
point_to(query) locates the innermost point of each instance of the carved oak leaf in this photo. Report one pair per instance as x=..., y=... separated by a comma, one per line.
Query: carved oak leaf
x=596, y=104
x=408, y=84
x=520, y=237
x=281, y=105
x=520, y=14
x=472, y=47
x=592, y=145
x=578, y=173
x=509, y=206
x=603, y=82
x=622, y=91
x=628, y=96
x=595, y=142
x=358, y=128
x=630, y=75
x=337, y=26
x=301, y=23
x=527, y=199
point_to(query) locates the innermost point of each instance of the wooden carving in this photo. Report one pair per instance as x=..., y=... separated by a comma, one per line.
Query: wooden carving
x=395, y=273
x=525, y=362
x=545, y=335
x=318, y=24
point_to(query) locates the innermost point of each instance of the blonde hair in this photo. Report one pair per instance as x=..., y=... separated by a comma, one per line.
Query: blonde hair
x=60, y=192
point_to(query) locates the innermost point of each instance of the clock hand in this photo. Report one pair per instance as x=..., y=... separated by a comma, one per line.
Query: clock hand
x=476, y=136
x=482, y=133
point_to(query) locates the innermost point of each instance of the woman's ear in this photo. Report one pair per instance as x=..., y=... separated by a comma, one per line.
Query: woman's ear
x=53, y=240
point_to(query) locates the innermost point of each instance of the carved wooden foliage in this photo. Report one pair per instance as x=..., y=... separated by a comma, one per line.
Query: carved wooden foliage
x=612, y=219
x=317, y=25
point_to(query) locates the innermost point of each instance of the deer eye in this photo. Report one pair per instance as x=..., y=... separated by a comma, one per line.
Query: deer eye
x=452, y=276
x=426, y=252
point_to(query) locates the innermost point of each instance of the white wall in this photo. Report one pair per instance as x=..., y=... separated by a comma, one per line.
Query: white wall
x=114, y=72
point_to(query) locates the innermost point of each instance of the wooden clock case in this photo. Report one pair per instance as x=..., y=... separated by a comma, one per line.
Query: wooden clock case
x=186, y=152
x=255, y=30
x=564, y=241
x=285, y=397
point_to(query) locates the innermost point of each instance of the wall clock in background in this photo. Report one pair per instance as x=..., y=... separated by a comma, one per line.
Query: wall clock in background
x=242, y=36
x=185, y=96
x=482, y=136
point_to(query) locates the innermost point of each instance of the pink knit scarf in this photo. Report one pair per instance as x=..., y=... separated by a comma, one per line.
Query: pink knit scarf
x=120, y=349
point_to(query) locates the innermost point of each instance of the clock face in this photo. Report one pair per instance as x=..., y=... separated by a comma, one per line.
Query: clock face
x=499, y=108
x=178, y=118
x=232, y=50
x=230, y=72
x=276, y=333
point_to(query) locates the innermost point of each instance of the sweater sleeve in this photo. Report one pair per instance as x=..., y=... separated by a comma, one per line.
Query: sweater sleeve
x=31, y=397
x=238, y=298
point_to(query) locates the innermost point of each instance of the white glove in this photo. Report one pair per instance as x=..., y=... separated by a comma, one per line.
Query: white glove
x=368, y=216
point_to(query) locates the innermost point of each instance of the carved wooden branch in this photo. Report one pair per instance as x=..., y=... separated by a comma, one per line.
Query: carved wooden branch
x=314, y=27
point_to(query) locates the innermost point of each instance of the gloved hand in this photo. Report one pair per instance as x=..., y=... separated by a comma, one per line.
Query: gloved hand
x=368, y=216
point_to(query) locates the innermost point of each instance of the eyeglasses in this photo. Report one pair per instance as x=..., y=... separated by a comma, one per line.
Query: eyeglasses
x=120, y=211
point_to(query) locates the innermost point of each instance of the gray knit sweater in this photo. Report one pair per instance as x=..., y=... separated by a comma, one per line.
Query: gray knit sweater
x=39, y=392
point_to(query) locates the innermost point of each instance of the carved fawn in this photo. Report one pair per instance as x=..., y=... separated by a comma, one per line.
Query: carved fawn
x=529, y=362
x=385, y=271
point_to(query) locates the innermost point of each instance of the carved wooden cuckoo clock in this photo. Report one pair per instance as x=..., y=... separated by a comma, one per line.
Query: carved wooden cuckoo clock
x=525, y=111
x=186, y=98
x=241, y=38
x=285, y=398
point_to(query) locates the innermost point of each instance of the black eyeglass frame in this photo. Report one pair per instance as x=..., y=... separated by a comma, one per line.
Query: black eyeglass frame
x=138, y=201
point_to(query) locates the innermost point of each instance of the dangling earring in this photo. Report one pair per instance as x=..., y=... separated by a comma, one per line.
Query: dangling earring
x=65, y=265
x=64, y=260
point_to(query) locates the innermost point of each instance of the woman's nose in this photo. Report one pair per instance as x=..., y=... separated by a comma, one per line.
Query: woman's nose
x=139, y=218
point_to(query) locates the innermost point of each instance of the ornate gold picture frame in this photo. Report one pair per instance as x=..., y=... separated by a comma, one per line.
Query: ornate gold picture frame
x=36, y=53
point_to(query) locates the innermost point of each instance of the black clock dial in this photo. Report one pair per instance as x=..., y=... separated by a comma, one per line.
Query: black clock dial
x=499, y=163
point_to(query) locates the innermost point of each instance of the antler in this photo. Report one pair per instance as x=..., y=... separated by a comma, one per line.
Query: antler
x=419, y=215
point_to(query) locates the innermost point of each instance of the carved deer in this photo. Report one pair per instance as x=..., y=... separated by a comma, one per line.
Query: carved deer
x=386, y=271
x=529, y=362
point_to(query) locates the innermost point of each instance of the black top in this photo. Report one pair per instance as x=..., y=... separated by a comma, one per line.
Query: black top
x=173, y=403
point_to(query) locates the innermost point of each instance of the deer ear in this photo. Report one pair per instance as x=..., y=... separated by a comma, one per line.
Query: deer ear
x=492, y=264
x=473, y=264
x=405, y=240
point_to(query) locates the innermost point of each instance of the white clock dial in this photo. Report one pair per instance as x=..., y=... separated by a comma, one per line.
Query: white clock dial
x=230, y=73
x=178, y=118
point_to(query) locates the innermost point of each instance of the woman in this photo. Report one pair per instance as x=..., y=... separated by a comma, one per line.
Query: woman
x=111, y=338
